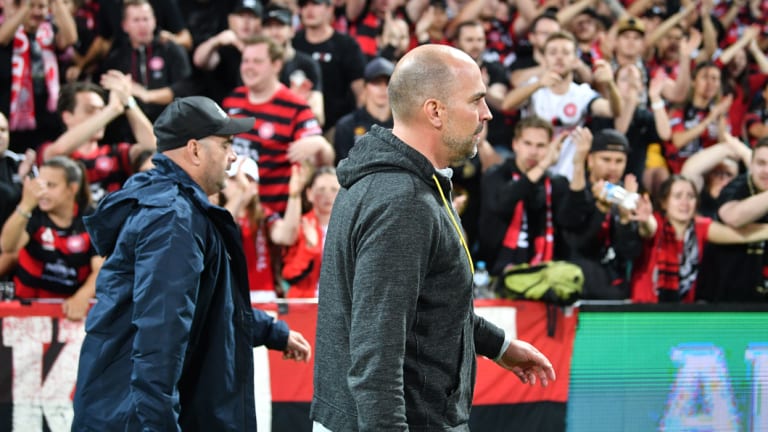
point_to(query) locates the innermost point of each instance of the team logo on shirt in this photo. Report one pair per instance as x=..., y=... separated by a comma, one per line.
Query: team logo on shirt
x=570, y=110
x=267, y=130
x=322, y=57
x=47, y=239
x=105, y=164
x=156, y=63
x=76, y=244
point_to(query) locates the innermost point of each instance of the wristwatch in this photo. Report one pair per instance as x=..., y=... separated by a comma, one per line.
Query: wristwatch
x=130, y=104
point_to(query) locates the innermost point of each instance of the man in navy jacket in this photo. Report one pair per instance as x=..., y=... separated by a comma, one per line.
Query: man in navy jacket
x=169, y=342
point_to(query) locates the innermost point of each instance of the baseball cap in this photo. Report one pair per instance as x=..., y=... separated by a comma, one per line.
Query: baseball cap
x=195, y=117
x=252, y=6
x=630, y=24
x=655, y=11
x=589, y=11
x=303, y=3
x=249, y=167
x=378, y=67
x=609, y=140
x=442, y=4
x=277, y=13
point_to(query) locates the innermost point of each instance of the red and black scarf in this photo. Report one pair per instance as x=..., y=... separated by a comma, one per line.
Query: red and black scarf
x=22, y=90
x=677, y=263
x=516, y=245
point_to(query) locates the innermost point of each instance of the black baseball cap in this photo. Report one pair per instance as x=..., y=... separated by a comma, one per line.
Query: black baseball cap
x=252, y=6
x=378, y=67
x=609, y=140
x=278, y=13
x=303, y=3
x=195, y=117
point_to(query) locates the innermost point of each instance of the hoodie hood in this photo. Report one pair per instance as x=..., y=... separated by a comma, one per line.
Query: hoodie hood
x=379, y=150
x=157, y=187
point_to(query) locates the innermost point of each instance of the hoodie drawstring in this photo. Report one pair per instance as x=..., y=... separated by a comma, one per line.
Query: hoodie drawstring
x=455, y=224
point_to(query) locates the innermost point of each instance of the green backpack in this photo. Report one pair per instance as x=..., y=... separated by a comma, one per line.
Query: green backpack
x=556, y=282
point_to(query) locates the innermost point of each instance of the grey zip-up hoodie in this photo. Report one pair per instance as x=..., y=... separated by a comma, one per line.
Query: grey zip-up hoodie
x=396, y=333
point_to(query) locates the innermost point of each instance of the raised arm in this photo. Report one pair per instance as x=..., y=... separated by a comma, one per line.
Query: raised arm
x=610, y=105
x=519, y=95
x=659, y=110
x=14, y=235
x=14, y=16
x=682, y=138
x=724, y=234
x=696, y=166
x=81, y=133
x=66, y=36
x=738, y=213
x=206, y=56
x=120, y=83
x=285, y=231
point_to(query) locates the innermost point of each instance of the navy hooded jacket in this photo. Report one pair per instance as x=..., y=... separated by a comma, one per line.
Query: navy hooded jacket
x=169, y=341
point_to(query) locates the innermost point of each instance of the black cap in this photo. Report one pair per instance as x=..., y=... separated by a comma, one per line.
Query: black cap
x=378, y=67
x=303, y=3
x=589, y=11
x=442, y=4
x=252, y=6
x=609, y=140
x=195, y=117
x=655, y=11
x=277, y=13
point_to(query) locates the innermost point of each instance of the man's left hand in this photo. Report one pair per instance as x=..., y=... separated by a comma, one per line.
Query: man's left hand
x=528, y=363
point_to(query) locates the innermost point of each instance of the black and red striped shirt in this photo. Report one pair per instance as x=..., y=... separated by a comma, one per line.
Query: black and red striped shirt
x=106, y=168
x=279, y=122
x=365, y=30
x=56, y=261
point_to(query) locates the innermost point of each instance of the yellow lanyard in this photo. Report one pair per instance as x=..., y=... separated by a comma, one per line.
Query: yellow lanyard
x=455, y=224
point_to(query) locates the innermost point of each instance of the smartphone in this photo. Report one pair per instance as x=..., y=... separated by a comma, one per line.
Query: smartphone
x=33, y=172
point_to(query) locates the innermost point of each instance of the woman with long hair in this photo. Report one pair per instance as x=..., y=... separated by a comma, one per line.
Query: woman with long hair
x=262, y=230
x=668, y=266
x=301, y=261
x=56, y=256
x=700, y=122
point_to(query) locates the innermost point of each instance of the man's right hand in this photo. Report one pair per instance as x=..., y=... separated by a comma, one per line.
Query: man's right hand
x=298, y=349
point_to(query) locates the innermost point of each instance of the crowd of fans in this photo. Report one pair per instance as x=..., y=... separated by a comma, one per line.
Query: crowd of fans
x=666, y=98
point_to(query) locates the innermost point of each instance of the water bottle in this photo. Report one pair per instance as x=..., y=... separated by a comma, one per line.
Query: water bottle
x=481, y=281
x=7, y=290
x=616, y=194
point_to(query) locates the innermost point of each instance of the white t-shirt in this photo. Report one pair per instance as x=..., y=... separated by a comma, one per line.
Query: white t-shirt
x=566, y=111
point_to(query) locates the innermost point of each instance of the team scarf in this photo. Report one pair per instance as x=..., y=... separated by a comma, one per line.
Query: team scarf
x=676, y=266
x=516, y=243
x=22, y=93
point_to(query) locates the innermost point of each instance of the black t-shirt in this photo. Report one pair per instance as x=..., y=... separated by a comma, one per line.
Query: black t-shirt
x=302, y=63
x=501, y=125
x=10, y=184
x=167, y=16
x=523, y=58
x=205, y=18
x=734, y=273
x=220, y=81
x=341, y=62
x=166, y=65
x=641, y=133
x=352, y=127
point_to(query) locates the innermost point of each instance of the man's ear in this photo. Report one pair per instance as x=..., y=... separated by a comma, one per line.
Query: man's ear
x=66, y=117
x=194, y=151
x=434, y=111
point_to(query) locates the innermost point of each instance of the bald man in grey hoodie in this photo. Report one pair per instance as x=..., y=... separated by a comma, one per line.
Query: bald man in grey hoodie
x=396, y=333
